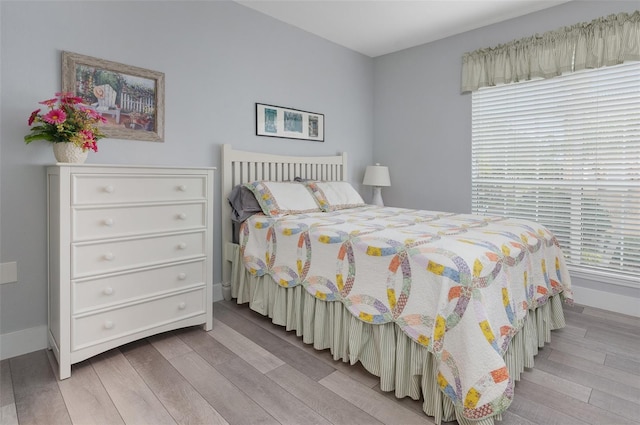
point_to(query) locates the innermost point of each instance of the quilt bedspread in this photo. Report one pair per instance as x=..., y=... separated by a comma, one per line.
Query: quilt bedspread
x=458, y=284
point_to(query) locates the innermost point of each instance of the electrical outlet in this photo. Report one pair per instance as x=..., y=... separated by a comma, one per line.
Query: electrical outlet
x=8, y=272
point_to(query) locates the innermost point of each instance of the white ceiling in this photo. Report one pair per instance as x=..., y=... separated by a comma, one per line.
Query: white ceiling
x=378, y=27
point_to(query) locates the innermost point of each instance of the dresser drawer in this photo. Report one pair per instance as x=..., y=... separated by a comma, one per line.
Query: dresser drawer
x=107, y=325
x=95, y=258
x=105, y=291
x=93, y=223
x=91, y=189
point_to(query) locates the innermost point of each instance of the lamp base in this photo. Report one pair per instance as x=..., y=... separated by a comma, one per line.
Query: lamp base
x=377, y=196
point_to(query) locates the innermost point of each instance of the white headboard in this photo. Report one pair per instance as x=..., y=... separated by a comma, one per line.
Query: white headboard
x=242, y=167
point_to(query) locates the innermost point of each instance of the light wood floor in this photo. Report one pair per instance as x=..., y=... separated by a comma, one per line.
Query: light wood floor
x=248, y=371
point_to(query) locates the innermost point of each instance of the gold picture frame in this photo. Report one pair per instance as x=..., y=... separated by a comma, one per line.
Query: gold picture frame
x=130, y=98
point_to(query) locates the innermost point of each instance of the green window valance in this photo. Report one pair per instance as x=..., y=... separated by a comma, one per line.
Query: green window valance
x=602, y=42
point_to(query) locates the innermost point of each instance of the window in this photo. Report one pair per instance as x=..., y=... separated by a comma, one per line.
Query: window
x=565, y=152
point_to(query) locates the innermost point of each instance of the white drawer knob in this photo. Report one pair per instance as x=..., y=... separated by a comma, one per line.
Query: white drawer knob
x=182, y=188
x=182, y=305
x=108, y=222
x=108, y=324
x=109, y=256
x=108, y=290
x=182, y=216
x=182, y=276
x=182, y=245
x=109, y=189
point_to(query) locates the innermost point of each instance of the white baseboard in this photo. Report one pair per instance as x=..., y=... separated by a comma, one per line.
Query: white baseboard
x=606, y=301
x=217, y=292
x=22, y=342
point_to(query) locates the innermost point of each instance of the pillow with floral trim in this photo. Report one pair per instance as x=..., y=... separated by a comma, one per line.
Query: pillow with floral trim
x=280, y=198
x=338, y=195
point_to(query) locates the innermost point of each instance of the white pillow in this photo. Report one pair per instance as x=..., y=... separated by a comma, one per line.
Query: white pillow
x=279, y=198
x=333, y=196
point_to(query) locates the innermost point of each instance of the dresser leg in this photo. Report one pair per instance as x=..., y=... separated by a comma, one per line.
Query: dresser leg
x=65, y=372
x=208, y=325
x=64, y=369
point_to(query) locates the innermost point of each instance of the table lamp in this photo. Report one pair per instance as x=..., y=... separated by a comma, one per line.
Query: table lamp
x=377, y=176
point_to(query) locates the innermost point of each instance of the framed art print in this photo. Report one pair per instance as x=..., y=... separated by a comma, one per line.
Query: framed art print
x=130, y=98
x=288, y=123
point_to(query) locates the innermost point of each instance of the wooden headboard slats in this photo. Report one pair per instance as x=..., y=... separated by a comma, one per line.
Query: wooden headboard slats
x=282, y=171
x=243, y=172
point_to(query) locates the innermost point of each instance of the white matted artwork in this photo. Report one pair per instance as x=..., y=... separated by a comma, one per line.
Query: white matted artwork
x=276, y=121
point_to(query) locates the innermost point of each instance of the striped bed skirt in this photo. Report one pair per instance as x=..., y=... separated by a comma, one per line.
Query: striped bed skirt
x=403, y=366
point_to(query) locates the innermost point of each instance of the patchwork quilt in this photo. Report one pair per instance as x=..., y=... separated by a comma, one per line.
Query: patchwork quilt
x=458, y=284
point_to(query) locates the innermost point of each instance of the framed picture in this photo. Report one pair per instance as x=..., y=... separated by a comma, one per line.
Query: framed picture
x=130, y=98
x=275, y=121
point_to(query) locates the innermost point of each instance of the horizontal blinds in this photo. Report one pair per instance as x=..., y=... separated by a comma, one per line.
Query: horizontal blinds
x=566, y=152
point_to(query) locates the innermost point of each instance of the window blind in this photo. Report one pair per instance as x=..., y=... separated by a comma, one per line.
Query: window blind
x=565, y=152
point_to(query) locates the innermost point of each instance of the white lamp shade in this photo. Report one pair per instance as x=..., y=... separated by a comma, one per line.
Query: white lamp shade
x=377, y=175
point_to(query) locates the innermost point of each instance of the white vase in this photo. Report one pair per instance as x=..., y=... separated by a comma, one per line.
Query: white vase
x=69, y=152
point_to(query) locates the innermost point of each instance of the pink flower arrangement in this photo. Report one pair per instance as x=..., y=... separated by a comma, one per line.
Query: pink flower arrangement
x=68, y=120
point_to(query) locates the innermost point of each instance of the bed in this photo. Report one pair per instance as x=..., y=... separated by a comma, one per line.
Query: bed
x=447, y=308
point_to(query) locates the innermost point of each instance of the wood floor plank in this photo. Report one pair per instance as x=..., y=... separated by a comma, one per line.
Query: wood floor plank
x=136, y=403
x=575, y=331
x=562, y=385
x=626, y=342
x=269, y=395
x=596, y=369
x=615, y=404
x=371, y=402
x=622, y=363
x=8, y=414
x=234, y=405
x=509, y=418
x=357, y=371
x=206, y=346
x=322, y=400
x=536, y=411
x=182, y=401
x=594, y=345
x=169, y=345
x=290, y=354
x=246, y=349
x=86, y=398
x=6, y=385
x=559, y=344
x=558, y=402
x=589, y=379
x=37, y=396
x=610, y=315
x=602, y=323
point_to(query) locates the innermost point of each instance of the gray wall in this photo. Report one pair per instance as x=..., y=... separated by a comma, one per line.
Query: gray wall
x=422, y=125
x=219, y=58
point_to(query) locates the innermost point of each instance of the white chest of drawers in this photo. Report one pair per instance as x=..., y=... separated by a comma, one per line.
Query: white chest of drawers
x=130, y=255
